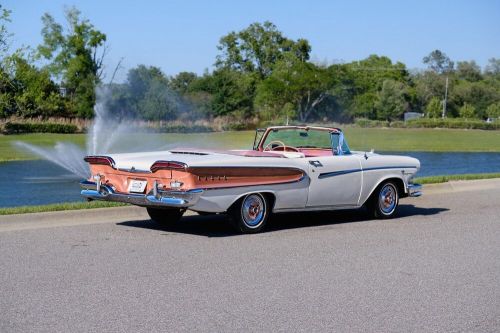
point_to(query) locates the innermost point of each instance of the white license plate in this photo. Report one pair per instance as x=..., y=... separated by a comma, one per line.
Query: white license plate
x=137, y=186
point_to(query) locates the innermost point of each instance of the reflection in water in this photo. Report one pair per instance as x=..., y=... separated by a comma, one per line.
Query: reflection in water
x=40, y=182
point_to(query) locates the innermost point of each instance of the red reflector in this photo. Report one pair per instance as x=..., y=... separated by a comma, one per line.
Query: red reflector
x=101, y=160
x=162, y=165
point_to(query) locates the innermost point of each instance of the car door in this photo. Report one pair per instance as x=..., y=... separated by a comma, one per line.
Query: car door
x=335, y=181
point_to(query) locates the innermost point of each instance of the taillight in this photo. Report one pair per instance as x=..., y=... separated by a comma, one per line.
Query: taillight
x=168, y=165
x=101, y=160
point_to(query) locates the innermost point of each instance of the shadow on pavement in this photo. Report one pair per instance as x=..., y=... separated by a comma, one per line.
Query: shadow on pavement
x=220, y=225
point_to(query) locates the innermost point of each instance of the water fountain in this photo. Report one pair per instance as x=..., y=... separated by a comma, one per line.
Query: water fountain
x=106, y=135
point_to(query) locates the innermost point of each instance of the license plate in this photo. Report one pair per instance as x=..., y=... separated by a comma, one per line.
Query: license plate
x=137, y=186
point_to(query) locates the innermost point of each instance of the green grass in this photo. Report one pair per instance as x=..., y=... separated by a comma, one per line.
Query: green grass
x=59, y=207
x=380, y=139
x=8, y=151
x=432, y=140
x=445, y=179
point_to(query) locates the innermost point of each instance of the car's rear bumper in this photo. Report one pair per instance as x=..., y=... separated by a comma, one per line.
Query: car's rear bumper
x=178, y=199
x=414, y=190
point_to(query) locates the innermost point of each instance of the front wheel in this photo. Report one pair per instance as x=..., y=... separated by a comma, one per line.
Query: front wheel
x=164, y=216
x=385, y=200
x=251, y=213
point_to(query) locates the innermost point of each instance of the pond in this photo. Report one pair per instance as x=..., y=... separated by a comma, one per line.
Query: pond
x=38, y=182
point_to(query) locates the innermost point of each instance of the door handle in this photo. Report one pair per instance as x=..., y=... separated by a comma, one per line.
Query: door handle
x=316, y=164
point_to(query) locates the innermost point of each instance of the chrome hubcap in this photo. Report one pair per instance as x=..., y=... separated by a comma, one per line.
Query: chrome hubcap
x=387, y=199
x=253, y=210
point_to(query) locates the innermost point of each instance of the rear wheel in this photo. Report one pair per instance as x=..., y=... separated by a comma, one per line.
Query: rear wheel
x=385, y=200
x=250, y=214
x=165, y=216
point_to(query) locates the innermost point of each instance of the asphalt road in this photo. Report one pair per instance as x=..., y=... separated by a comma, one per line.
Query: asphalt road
x=436, y=268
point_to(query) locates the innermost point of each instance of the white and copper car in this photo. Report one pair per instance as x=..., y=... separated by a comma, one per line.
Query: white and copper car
x=289, y=169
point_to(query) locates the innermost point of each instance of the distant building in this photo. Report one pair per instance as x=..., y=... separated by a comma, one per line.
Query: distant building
x=412, y=115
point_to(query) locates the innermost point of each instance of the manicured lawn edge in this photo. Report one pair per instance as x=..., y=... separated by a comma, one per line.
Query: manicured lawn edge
x=59, y=207
x=105, y=204
x=447, y=178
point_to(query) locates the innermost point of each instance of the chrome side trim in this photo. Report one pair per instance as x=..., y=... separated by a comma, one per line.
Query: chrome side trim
x=315, y=208
x=344, y=172
x=178, y=199
x=301, y=179
x=414, y=190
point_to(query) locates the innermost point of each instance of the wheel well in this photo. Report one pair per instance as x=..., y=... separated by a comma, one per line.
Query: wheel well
x=269, y=196
x=400, y=186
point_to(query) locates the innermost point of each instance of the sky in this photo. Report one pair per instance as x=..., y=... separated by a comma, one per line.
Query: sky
x=183, y=35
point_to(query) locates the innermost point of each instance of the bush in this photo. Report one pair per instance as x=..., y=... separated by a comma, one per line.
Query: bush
x=179, y=128
x=238, y=126
x=457, y=123
x=16, y=128
x=367, y=123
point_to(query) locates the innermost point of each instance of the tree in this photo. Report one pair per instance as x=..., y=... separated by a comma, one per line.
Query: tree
x=469, y=70
x=182, y=82
x=364, y=105
x=257, y=48
x=392, y=100
x=35, y=93
x=76, y=57
x=493, y=67
x=7, y=91
x=232, y=92
x=467, y=111
x=438, y=62
x=428, y=85
x=493, y=111
x=146, y=95
x=369, y=74
x=302, y=84
x=477, y=94
x=434, y=108
x=4, y=33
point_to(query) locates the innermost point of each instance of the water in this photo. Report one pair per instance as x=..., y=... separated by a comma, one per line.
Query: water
x=436, y=164
x=41, y=182
x=36, y=182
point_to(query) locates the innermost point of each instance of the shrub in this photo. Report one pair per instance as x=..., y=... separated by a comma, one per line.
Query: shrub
x=15, y=128
x=467, y=111
x=363, y=122
x=493, y=111
x=457, y=123
x=180, y=128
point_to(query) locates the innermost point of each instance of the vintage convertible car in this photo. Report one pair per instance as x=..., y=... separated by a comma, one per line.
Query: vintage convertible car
x=290, y=168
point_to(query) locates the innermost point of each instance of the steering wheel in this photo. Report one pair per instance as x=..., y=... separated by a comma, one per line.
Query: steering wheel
x=279, y=144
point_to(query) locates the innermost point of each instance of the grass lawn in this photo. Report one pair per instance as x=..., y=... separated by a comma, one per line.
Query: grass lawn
x=59, y=207
x=380, y=139
x=8, y=152
x=447, y=178
x=425, y=139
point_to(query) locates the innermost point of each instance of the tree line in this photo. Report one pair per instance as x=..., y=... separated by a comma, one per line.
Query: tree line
x=259, y=75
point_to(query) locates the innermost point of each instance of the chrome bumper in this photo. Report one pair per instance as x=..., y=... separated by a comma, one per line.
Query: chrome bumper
x=157, y=198
x=414, y=190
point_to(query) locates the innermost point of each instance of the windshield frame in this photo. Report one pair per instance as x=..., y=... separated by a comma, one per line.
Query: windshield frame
x=269, y=130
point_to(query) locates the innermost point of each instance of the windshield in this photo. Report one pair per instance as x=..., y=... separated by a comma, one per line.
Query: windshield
x=302, y=138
